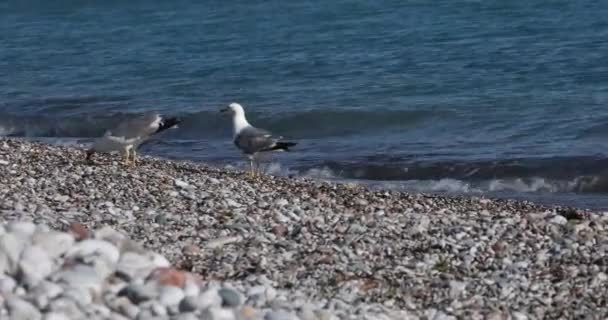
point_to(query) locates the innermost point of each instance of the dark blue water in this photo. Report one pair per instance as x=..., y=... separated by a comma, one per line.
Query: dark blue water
x=505, y=98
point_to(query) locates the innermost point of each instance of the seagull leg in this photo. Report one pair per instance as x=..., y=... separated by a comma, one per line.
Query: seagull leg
x=259, y=169
x=134, y=157
x=127, y=157
x=252, y=172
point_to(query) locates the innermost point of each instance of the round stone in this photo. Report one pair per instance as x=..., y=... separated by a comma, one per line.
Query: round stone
x=90, y=249
x=35, y=265
x=230, y=298
x=188, y=304
x=21, y=309
x=54, y=243
x=170, y=295
x=138, y=293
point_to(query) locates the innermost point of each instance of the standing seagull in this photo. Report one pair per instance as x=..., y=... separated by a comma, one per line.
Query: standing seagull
x=128, y=135
x=251, y=140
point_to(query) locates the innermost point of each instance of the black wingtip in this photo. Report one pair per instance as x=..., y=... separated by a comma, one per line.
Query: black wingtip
x=284, y=146
x=89, y=156
x=169, y=123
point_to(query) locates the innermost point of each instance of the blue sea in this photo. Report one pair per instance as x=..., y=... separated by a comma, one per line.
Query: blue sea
x=495, y=98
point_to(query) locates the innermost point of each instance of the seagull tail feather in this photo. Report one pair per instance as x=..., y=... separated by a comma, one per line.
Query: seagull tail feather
x=284, y=146
x=168, y=123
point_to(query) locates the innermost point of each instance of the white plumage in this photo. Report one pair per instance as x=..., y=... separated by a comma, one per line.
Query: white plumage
x=128, y=135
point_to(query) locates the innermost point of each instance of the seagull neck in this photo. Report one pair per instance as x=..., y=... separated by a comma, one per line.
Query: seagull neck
x=239, y=123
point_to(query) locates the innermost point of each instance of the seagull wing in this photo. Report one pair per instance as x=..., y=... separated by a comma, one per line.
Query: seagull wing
x=252, y=140
x=140, y=127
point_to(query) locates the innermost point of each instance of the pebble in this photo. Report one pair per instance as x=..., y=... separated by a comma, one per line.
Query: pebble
x=230, y=298
x=11, y=247
x=188, y=304
x=35, y=265
x=336, y=251
x=23, y=229
x=138, y=293
x=79, y=231
x=53, y=243
x=55, y=316
x=216, y=313
x=7, y=284
x=91, y=249
x=44, y=292
x=280, y=315
x=306, y=312
x=209, y=298
x=181, y=184
x=82, y=297
x=80, y=275
x=185, y=316
x=124, y=307
x=168, y=276
x=134, y=265
x=170, y=295
x=457, y=288
x=559, y=220
x=19, y=309
x=67, y=307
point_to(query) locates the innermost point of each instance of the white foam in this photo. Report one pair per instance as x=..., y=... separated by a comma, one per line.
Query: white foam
x=5, y=131
x=521, y=185
x=320, y=173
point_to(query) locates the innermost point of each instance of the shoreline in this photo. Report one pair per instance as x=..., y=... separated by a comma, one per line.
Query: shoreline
x=342, y=245
x=445, y=187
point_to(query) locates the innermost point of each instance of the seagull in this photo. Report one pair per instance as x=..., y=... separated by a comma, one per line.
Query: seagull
x=128, y=135
x=251, y=140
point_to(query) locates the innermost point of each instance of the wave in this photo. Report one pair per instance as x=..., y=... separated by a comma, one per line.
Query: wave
x=545, y=175
x=390, y=168
x=592, y=184
x=310, y=124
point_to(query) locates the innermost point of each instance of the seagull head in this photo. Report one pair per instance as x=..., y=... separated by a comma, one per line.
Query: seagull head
x=234, y=109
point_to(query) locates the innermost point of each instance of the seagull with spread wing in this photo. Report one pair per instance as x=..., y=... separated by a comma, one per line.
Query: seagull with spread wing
x=251, y=140
x=128, y=135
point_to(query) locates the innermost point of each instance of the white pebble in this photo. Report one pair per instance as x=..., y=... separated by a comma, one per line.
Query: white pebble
x=135, y=265
x=7, y=284
x=92, y=248
x=191, y=288
x=81, y=296
x=457, y=288
x=280, y=315
x=217, y=313
x=55, y=316
x=44, y=292
x=80, y=276
x=54, y=243
x=559, y=220
x=209, y=298
x=11, y=247
x=21, y=309
x=35, y=265
x=519, y=316
x=281, y=202
x=170, y=295
x=23, y=229
x=181, y=184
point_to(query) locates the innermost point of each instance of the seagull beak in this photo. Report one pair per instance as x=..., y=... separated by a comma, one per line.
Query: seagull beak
x=224, y=110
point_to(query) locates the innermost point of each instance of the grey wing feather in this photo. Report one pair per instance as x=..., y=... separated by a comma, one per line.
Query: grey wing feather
x=142, y=127
x=251, y=140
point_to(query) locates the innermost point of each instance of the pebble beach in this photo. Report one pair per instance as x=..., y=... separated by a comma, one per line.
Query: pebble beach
x=179, y=240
